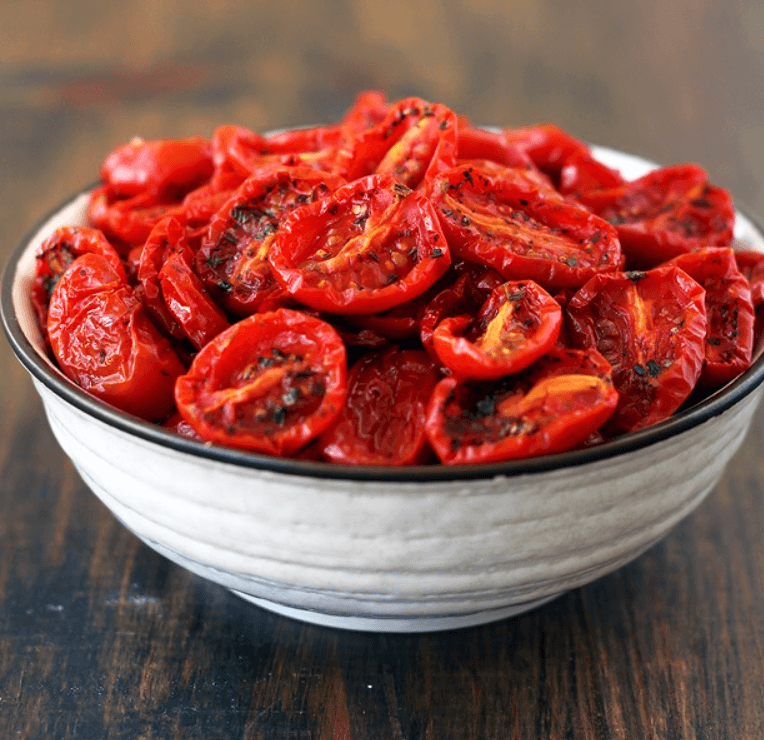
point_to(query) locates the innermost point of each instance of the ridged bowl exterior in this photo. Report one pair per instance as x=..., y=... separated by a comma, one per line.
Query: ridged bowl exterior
x=410, y=551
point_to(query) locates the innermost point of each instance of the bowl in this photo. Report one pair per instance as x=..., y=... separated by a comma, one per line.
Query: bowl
x=379, y=549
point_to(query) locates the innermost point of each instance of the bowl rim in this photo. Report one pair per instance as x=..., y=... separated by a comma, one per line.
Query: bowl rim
x=713, y=405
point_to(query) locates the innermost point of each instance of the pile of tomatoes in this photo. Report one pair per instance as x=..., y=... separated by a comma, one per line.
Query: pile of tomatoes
x=398, y=288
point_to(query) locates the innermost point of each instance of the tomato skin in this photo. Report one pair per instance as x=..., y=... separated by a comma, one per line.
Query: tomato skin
x=314, y=147
x=241, y=153
x=304, y=141
x=131, y=264
x=519, y=323
x=176, y=423
x=371, y=245
x=462, y=291
x=477, y=143
x=354, y=338
x=506, y=220
x=145, y=182
x=166, y=166
x=413, y=143
x=129, y=220
x=651, y=327
x=547, y=146
x=562, y=360
x=167, y=236
x=200, y=205
x=270, y=383
x=395, y=324
x=232, y=261
x=751, y=265
x=406, y=321
x=188, y=301
x=440, y=227
x=382, y=420
x=55, y=255
x=582, y=173
x=729, y=311
x=104, y=341
x=369, y=109
x=665, y=213
x=552, y=407
x=236, y=146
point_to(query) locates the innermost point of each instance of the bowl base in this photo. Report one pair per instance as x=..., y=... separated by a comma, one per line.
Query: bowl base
x=395, y=624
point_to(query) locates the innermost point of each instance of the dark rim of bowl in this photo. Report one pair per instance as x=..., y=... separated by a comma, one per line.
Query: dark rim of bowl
x=713, y=405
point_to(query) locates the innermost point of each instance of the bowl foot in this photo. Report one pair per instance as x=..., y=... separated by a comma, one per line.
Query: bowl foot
x=395, y=624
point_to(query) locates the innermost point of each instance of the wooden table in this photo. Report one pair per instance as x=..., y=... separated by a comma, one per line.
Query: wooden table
x=102, y=638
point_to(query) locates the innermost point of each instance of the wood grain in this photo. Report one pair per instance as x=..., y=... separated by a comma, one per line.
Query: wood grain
x=102, y=638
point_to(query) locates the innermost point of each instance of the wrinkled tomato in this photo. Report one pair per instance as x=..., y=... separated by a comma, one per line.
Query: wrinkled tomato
x=506, y=220
x=729, y=312
x=412, y=245
x=233, y=258
x=651, y=327
x=408, y=320
x=129, y=220
x=187, y=300
x=55, y=255
x=144, y=181
x=105, y=342
x=371, y=245
x=751, y=264
x=412, y=143
x=482, y=144
x=235, y=153
x=547, y=146
x=369, y=108
x=552, y=407
x=167, y=236
x=518, y=323
x=270, y=383
x=463, y=291
x=581, y=173
x=382, y=420
x=665, y=213
x=168, y=167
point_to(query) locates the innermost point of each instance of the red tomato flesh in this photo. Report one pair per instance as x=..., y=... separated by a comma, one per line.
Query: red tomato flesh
x=519, y=323
x=506, y=220
x=372, y=245
x=105, y=342
x=729, y=310
x=382, y=421
x=270, y=383
x=651, y=328
x=550, y=408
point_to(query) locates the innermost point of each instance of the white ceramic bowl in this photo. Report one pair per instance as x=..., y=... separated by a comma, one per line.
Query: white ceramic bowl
x=380, y=549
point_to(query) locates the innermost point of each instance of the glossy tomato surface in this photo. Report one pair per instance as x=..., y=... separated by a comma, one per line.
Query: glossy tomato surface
x=382, y=420
x=233, y=258
x=270, y=383
x=554, y=406
x=518, y=323
x=459, y=268
x=729, y=312
x=504, y=219
x=371, y=245
x=104, y=340
x=651, y=328
x=667, y=212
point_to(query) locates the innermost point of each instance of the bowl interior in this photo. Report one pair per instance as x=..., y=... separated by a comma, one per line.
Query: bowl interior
x=21, y=327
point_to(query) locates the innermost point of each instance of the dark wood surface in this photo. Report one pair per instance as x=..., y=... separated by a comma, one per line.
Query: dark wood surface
x=102, y=638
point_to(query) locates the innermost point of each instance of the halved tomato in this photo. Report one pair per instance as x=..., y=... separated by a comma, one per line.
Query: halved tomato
x=270, y=383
